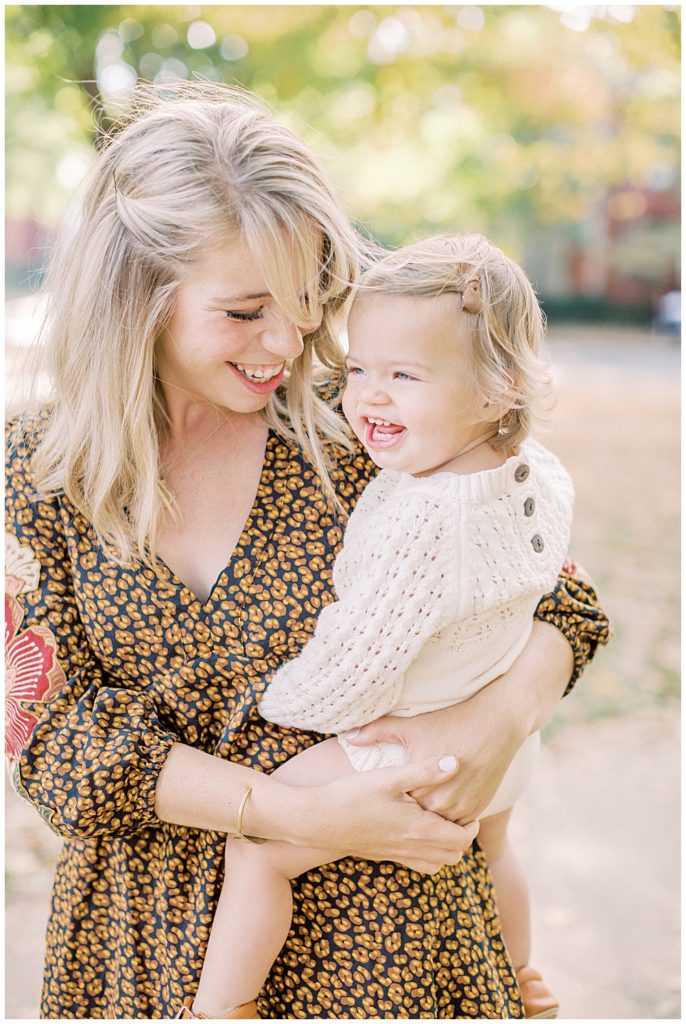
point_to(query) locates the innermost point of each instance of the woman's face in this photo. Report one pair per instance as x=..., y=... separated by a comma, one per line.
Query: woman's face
x=227, y=341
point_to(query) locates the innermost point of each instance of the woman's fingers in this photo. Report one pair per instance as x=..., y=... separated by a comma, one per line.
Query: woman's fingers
x=388, y=729
x=371, y=814
x=450, y=855
x=430, y=771
x=424, y=867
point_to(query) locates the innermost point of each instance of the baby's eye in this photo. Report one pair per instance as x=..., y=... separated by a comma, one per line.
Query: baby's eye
x=354, y=371
x=243, y=317
x=400, y=375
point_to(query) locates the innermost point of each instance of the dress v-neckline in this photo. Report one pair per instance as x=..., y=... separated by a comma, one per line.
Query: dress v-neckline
x=243, y=540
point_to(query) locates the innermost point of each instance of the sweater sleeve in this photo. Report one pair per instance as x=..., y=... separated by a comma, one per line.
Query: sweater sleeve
x=351, y=671
x=83, y=748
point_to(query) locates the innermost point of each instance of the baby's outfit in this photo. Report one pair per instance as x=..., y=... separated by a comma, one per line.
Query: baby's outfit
x=437, y=584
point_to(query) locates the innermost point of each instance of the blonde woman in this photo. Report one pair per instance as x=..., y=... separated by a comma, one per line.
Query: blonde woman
x=173, y=518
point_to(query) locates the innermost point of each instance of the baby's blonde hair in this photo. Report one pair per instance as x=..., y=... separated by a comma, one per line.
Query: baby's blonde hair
x=191, y=167
x=506, y=322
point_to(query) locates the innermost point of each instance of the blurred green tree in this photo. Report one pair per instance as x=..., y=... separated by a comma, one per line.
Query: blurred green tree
x=498, y=118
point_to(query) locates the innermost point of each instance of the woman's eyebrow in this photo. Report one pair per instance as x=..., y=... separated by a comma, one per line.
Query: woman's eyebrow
x=241, y=298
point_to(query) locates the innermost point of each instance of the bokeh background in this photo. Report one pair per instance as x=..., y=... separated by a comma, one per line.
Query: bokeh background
x=554, y=129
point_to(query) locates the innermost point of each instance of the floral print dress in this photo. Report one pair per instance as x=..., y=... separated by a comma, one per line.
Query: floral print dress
x=110, y=666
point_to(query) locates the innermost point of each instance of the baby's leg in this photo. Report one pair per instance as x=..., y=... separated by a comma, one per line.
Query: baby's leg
x=255, y=908
x=511, y=890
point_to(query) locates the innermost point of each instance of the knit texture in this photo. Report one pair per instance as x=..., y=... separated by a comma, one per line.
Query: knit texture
x=437, y=584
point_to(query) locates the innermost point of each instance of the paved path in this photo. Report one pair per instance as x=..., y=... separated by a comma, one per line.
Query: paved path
x=598, y=833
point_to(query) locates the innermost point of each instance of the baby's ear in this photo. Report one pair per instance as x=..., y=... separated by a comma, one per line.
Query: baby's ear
x=493, y=409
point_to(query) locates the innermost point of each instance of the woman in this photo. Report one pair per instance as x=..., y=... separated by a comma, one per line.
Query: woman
x=174, y=516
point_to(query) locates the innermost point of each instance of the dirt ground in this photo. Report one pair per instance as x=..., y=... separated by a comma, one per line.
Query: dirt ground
x=599, y=829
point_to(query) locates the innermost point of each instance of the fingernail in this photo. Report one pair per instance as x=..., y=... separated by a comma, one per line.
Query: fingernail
x=447, y=764
x=352, y=733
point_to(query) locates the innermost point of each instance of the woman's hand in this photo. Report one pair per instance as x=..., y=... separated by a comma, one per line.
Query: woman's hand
x=484, y=740
x=370, y=815
x=485, y=731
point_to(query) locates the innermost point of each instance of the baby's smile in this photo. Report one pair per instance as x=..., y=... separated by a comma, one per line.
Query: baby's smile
x=382, y=433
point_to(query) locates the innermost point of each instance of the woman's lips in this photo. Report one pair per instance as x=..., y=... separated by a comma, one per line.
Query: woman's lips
x=259, y=387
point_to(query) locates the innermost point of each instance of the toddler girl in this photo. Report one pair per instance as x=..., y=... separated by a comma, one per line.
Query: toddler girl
x=445, y=558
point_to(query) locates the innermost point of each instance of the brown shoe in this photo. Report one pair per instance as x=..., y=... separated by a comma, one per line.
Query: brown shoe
x=246, y=1011
x=538, y=1000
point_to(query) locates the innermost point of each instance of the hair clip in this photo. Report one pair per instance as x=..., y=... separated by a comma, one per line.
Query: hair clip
x=471, y=289
x=471, y=296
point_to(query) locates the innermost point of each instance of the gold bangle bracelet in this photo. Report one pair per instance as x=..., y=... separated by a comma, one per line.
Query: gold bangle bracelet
x=239, y=834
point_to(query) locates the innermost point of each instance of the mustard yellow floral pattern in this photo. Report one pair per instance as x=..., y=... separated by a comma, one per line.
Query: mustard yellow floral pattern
x=146, y=665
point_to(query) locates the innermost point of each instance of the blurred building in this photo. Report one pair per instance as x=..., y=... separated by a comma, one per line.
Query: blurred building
x=616, y=263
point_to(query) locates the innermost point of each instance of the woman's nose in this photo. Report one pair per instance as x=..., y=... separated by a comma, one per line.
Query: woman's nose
x=282, y=337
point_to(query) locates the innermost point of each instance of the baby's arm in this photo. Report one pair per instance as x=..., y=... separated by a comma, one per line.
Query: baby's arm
x=351, y=671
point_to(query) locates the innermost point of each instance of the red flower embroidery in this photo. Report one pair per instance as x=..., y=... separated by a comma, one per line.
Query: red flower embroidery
x=33, y=673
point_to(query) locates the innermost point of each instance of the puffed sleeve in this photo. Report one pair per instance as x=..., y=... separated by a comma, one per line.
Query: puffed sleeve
x=573, y=608
x=83, y=749
x=351, y=671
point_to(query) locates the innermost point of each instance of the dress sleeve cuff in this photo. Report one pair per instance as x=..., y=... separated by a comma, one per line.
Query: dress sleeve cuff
x=574, y=609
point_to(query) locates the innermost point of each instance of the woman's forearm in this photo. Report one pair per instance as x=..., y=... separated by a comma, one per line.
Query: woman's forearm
x=198, y=790
x=367, y=814
x=540, y=676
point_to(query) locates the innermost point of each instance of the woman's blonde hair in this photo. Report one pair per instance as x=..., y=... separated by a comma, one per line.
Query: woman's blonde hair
x=505, y=320
x=188, y=169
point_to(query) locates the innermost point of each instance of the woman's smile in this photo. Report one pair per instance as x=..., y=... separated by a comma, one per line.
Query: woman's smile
x=260, y=379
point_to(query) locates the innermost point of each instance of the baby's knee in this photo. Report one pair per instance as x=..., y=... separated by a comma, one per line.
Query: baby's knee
x=241, y=853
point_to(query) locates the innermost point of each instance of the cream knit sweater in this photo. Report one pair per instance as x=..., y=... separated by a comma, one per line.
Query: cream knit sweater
x=437, y=583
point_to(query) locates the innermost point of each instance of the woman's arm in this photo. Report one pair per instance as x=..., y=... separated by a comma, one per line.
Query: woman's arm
x=486, y=731
x=369, y=814
x=85, y=748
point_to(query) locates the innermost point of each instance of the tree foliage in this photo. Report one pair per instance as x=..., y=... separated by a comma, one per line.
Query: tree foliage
x=498, y=118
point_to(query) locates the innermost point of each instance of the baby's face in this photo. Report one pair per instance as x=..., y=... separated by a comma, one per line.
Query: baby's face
x=411, y=394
